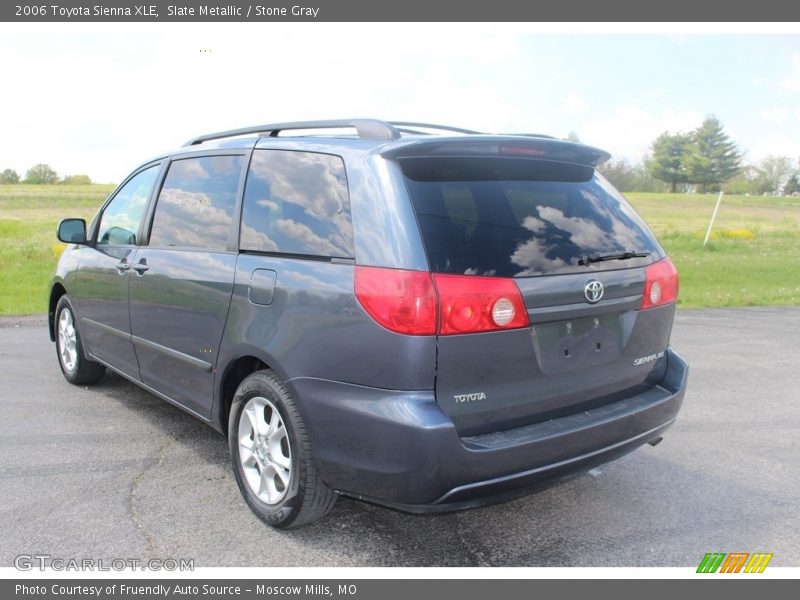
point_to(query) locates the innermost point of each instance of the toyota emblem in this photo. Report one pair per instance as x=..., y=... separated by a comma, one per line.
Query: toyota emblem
x=593, y=291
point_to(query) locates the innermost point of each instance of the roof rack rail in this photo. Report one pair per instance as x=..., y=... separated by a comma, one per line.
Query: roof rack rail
x=368, y=129
x=411, y=127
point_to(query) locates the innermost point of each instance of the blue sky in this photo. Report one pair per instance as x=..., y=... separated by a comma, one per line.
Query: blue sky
x=99, y=99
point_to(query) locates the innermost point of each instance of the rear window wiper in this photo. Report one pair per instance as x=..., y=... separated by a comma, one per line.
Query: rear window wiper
x=593, y=258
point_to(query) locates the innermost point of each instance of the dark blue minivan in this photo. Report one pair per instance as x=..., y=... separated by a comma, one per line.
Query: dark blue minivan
x=420, y=316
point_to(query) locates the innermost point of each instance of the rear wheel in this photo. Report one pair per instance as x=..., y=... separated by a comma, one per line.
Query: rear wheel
x=271, y=455
x=77, y=369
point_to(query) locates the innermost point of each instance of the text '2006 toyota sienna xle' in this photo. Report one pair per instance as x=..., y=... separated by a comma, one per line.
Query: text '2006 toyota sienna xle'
x=420, y=316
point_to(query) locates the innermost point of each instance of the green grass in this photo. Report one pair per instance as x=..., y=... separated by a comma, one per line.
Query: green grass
x=753, y=257
x=28, y=245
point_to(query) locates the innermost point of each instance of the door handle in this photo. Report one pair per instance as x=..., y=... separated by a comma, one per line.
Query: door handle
x=123, y=266
x=141, y=267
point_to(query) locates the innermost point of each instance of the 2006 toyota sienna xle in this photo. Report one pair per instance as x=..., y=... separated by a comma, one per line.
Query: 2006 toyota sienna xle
x=420, y=316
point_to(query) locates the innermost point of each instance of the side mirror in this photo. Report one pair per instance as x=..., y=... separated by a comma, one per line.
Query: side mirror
x=72, y=231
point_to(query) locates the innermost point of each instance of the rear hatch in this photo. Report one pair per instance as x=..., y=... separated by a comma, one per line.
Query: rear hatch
x=582, y=261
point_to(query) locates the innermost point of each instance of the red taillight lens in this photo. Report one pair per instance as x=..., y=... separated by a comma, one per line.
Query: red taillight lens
x=661, y=284
x=401, y=301
x=470, y=304
x=406, y=302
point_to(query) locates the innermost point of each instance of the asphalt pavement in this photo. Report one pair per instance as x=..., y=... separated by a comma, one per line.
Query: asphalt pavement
x=110, y=471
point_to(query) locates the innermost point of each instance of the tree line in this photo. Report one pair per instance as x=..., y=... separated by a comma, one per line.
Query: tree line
x=42, y=174
x=703, y=160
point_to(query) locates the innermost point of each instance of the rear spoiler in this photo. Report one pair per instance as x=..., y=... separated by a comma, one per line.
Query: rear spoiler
x=519, y=146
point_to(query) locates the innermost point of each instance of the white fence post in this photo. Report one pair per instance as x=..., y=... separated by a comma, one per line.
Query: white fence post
x=713, y=216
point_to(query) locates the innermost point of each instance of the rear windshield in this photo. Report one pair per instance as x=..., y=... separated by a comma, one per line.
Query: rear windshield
x=515, y=217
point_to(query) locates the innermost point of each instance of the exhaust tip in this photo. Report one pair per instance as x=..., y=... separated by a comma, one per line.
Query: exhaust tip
x=656, y=441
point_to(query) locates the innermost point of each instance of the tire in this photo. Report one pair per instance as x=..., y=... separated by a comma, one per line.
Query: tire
x=271, y=455
x=75, y=366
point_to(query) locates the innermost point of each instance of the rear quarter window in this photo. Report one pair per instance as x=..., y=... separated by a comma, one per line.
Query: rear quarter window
x=297, y=203
x=520, y=217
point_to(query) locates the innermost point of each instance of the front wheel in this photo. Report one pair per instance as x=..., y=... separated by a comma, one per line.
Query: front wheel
x=271, y=455
x=77, y=369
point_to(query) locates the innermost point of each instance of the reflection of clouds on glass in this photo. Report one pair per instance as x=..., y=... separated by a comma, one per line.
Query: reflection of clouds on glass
x=627, y=238
x=477, y=271
x=126, y=209
x=268, y=204
x=588, y=235
x=307, y=238
x=533, y=224
x=314, y=182
x=524, y=228
x=254, y=239
x=197, y=269
x=195, y=207
x=313, y=281
x=297, y=202
x=127, y=219
x=189, y=219
x=625, y=232
x=532, y=257
x=584, y=233
x=622, y=206
x=190, y=169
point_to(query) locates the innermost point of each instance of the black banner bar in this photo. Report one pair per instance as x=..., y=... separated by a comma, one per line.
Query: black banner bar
x=382, y=589
x=407, y=10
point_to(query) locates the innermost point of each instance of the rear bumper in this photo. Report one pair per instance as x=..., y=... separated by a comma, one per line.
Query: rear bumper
x=399, y=449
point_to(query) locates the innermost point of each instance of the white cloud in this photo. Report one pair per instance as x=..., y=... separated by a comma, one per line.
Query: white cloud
x=102, y=99
x=775, y=115
x=573, y=104
x=656, y=93
x=776, y=144
x=630, y=129
x=792, y=80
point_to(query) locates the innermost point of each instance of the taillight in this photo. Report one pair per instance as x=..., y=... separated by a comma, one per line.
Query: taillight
x=470, y=304
x=661, y=284
x=402, y=301
x=408, y=302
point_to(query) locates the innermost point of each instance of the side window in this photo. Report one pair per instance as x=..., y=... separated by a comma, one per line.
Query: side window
x=297, y=203
x=196, y=203
x=119, y=224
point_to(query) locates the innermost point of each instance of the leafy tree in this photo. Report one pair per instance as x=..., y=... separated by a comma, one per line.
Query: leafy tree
x=619, y=173
x=573, y=137
x=667, y=161
x=792, y=186
x=76, y=180
x=773, y=175
x=711, y=157
x=744, y=182
x=9, y=176
x=627, y=177
x=41, y=173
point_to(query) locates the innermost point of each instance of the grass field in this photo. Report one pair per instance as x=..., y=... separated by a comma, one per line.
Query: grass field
x=28, y=245
x=753, y=257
